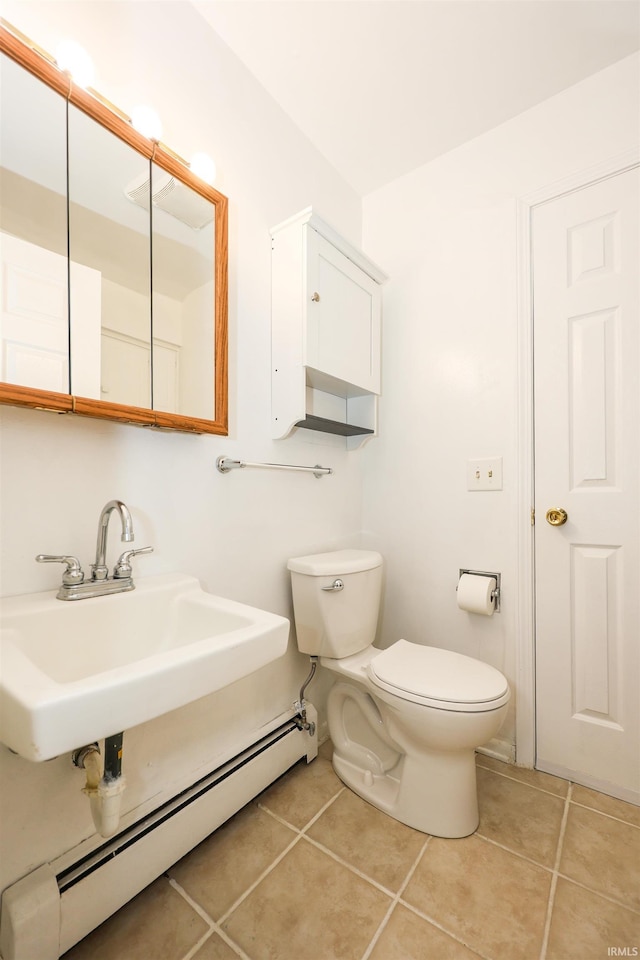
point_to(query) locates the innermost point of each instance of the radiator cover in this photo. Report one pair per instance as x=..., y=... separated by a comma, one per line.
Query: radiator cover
x=45, y=913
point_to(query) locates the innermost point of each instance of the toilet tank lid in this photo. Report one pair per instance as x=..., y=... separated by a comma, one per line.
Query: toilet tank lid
x=336, y=563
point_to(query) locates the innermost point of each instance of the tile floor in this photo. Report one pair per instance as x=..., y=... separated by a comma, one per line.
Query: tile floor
x=309, y=871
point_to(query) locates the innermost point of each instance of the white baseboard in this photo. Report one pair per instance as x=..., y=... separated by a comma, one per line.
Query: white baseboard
x=593, y=783
x=499, y=750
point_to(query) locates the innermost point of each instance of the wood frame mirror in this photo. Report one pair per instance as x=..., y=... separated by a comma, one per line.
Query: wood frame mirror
x=161, y=161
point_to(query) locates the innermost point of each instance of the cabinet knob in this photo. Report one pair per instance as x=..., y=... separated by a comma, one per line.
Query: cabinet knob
x=316, y=297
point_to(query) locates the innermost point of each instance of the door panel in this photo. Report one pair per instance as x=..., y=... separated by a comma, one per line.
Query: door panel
x=126, y=370
x=587, y=412
x=34, y=322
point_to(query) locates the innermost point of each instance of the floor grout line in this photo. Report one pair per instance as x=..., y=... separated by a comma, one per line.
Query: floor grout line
x=279, y=819
x=523, y=783
x=322, y=810
x=201, y=942
x=554, y=876
x=438, y=925
x=213, y=926
x=378, y=933
x=598, y=893
x=202, y=913
x=252, y=886
x=217, y=926
x=231, y=943
x=395, y=901
x=577, y=803
x=309, y=823
x=350, y=866
x=609, y=816
x=299, y=835
x=334, y=856
x=520, y=856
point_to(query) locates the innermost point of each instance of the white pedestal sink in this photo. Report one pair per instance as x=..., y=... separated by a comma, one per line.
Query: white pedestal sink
x=72, y=673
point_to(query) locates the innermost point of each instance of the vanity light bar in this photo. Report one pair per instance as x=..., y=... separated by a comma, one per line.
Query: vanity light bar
x=104, y=101
x=225, y=464
x=28, y=42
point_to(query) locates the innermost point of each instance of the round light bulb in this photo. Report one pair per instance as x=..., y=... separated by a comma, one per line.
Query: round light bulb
x=147, y=122
x=74, y=59
x=203, y=166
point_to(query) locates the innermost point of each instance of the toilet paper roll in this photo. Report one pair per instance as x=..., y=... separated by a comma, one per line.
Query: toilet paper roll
x=474, y=594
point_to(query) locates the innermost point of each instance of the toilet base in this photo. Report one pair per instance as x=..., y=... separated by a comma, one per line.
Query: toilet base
x=436, y=794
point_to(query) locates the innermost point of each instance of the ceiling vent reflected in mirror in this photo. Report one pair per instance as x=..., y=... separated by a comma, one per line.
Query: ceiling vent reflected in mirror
x=173, y=197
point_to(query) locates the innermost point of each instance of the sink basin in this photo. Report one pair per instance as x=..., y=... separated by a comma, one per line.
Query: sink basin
x=72, y=673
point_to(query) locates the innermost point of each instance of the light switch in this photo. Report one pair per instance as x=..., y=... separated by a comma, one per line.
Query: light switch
x=484, y=474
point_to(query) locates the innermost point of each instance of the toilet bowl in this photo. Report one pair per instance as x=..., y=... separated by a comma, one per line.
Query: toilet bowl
x=430, y=781
x=404, y=721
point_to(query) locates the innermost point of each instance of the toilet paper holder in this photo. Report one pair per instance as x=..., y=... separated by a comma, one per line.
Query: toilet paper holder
x=495, y=594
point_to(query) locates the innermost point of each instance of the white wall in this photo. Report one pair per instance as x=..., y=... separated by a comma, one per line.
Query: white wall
x=446, y=234
x=234, y=532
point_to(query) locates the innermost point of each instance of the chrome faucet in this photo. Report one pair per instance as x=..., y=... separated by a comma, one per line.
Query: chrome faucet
x=74, y=586
x=98, y=569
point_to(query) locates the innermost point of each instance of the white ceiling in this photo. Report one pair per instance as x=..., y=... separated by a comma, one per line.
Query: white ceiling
x=382, y=86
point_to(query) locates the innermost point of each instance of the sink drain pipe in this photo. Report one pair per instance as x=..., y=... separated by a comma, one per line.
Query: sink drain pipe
x=103, y=787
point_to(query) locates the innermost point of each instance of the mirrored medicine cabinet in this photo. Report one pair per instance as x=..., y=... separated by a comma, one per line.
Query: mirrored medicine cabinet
x=114, y=261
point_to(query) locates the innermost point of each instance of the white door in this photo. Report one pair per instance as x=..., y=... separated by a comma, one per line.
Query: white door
x=587, y=430
x=125, y=370
x=34, y=322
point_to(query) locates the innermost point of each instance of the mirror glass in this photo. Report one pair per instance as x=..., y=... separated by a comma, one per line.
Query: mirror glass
x=183, y=245
x=114, y=260
x=34, y=325
x=110, y=255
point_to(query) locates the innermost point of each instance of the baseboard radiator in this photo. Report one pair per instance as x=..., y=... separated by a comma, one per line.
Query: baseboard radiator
x=45, y=913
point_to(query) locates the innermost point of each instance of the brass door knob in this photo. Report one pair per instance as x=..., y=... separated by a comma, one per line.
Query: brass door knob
x=556, y=516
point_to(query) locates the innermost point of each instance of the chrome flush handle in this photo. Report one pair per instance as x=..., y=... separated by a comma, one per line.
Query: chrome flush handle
x=337, y=584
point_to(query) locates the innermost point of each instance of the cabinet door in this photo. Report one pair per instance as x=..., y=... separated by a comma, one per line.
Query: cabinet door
x=343, y=309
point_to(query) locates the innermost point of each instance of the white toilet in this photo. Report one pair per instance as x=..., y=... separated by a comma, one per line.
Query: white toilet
x=404, y=721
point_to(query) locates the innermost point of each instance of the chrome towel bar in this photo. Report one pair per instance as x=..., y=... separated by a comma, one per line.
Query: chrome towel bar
x=225, y=464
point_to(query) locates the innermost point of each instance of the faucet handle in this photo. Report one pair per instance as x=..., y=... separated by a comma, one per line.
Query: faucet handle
x=123, y=566
x=73, y=573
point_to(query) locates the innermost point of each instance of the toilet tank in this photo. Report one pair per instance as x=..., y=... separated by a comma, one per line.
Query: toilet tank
x=336, y=623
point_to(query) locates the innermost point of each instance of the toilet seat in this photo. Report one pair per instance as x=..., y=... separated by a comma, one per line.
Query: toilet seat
x=437, y=678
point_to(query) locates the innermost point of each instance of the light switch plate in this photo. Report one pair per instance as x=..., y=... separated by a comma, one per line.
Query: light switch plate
x=484, y=474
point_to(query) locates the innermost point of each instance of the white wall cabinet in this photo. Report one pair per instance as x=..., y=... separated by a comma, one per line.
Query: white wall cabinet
x=326, y=327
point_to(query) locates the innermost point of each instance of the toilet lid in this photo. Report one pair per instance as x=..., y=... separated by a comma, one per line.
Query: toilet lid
x=435, y=675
